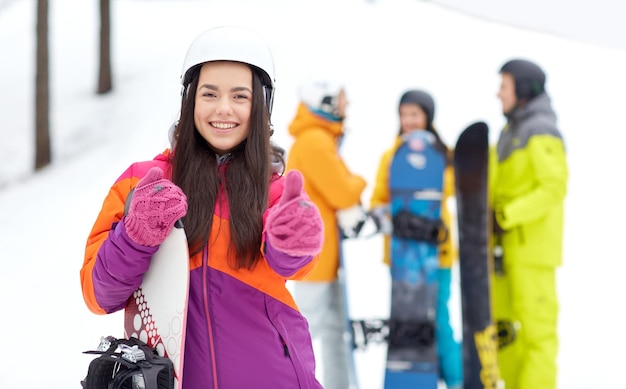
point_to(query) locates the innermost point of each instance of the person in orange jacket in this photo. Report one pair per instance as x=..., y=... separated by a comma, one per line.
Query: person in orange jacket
x=318, y=130
x=416, y=111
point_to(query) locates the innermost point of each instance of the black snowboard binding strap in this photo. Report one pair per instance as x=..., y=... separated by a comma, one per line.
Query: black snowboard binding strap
x=407, y=225
x=411, y=334
x=128, y=364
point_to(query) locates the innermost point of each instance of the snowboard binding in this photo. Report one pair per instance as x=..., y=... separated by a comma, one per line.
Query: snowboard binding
x=411, y=334
x=128, y=364
x=366, y=331
x=407, y=225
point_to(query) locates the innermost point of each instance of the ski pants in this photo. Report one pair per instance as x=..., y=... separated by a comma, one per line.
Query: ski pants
x=526, y=296
x=448, y=348
x=321, y=303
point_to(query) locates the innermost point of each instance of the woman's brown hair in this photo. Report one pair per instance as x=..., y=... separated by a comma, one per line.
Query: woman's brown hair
x=245, y=177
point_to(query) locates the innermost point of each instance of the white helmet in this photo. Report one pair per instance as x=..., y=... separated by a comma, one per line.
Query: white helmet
x=229, y=43
x=320, y=95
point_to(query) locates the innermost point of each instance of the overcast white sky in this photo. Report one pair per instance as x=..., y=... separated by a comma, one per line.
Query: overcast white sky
x=600, y=22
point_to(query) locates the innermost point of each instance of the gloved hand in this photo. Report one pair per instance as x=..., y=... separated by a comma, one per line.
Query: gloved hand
x=351, y=220
x=294, y=225
x=495, y=225
x=382, y=219
x=155, y=206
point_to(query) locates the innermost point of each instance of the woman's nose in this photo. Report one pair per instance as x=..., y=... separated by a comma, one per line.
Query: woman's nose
x=224, y=107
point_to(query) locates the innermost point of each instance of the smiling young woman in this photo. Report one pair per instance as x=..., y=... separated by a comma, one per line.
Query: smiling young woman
x=249, y=227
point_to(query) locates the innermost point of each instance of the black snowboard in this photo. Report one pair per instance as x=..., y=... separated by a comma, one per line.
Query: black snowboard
x=480, y=342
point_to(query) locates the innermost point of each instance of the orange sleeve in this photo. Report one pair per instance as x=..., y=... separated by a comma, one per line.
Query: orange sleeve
x=112, y=212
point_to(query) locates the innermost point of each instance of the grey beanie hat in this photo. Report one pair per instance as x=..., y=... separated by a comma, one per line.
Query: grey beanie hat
x=424, y=100
x=530, y=80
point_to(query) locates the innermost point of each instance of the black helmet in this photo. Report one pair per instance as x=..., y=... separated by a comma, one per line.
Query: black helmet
x=530, y=80
x=424, y=100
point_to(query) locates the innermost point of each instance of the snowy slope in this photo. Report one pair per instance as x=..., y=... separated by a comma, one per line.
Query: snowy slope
x=387, y=46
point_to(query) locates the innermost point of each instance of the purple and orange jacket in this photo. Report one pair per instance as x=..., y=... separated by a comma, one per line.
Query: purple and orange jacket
x=244, y=329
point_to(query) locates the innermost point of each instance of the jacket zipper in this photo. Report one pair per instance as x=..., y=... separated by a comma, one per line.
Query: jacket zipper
x=205, y=265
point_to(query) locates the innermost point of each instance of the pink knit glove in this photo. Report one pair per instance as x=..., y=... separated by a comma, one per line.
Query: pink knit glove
x=155, y=206
x=294, y=225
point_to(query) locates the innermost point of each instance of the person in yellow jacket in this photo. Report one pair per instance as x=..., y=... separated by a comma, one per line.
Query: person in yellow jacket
x=417, y=111
x=318, y=129
x=528, y=183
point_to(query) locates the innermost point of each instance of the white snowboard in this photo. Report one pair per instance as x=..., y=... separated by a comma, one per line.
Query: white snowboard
x=157, y=312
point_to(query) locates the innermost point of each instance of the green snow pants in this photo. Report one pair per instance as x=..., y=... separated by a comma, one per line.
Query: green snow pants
x=527, y=297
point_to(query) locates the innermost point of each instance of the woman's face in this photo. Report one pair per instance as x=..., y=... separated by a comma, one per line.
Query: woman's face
x=412, y=117
x=223, y=104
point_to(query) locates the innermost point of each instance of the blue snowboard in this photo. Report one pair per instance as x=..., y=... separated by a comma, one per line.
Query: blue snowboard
x=416, y=184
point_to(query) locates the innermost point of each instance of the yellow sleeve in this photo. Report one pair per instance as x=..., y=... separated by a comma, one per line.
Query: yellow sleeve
x=491, y=173
x=448, y=249
x=380, y=193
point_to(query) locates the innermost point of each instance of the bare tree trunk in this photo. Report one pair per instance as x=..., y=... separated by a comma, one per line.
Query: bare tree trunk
x=104, y=78
x=42, y=90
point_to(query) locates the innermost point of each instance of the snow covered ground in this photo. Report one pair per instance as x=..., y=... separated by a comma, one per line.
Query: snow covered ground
x=379, y=48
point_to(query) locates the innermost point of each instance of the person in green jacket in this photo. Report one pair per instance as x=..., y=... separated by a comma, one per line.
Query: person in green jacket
x=528, y=184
